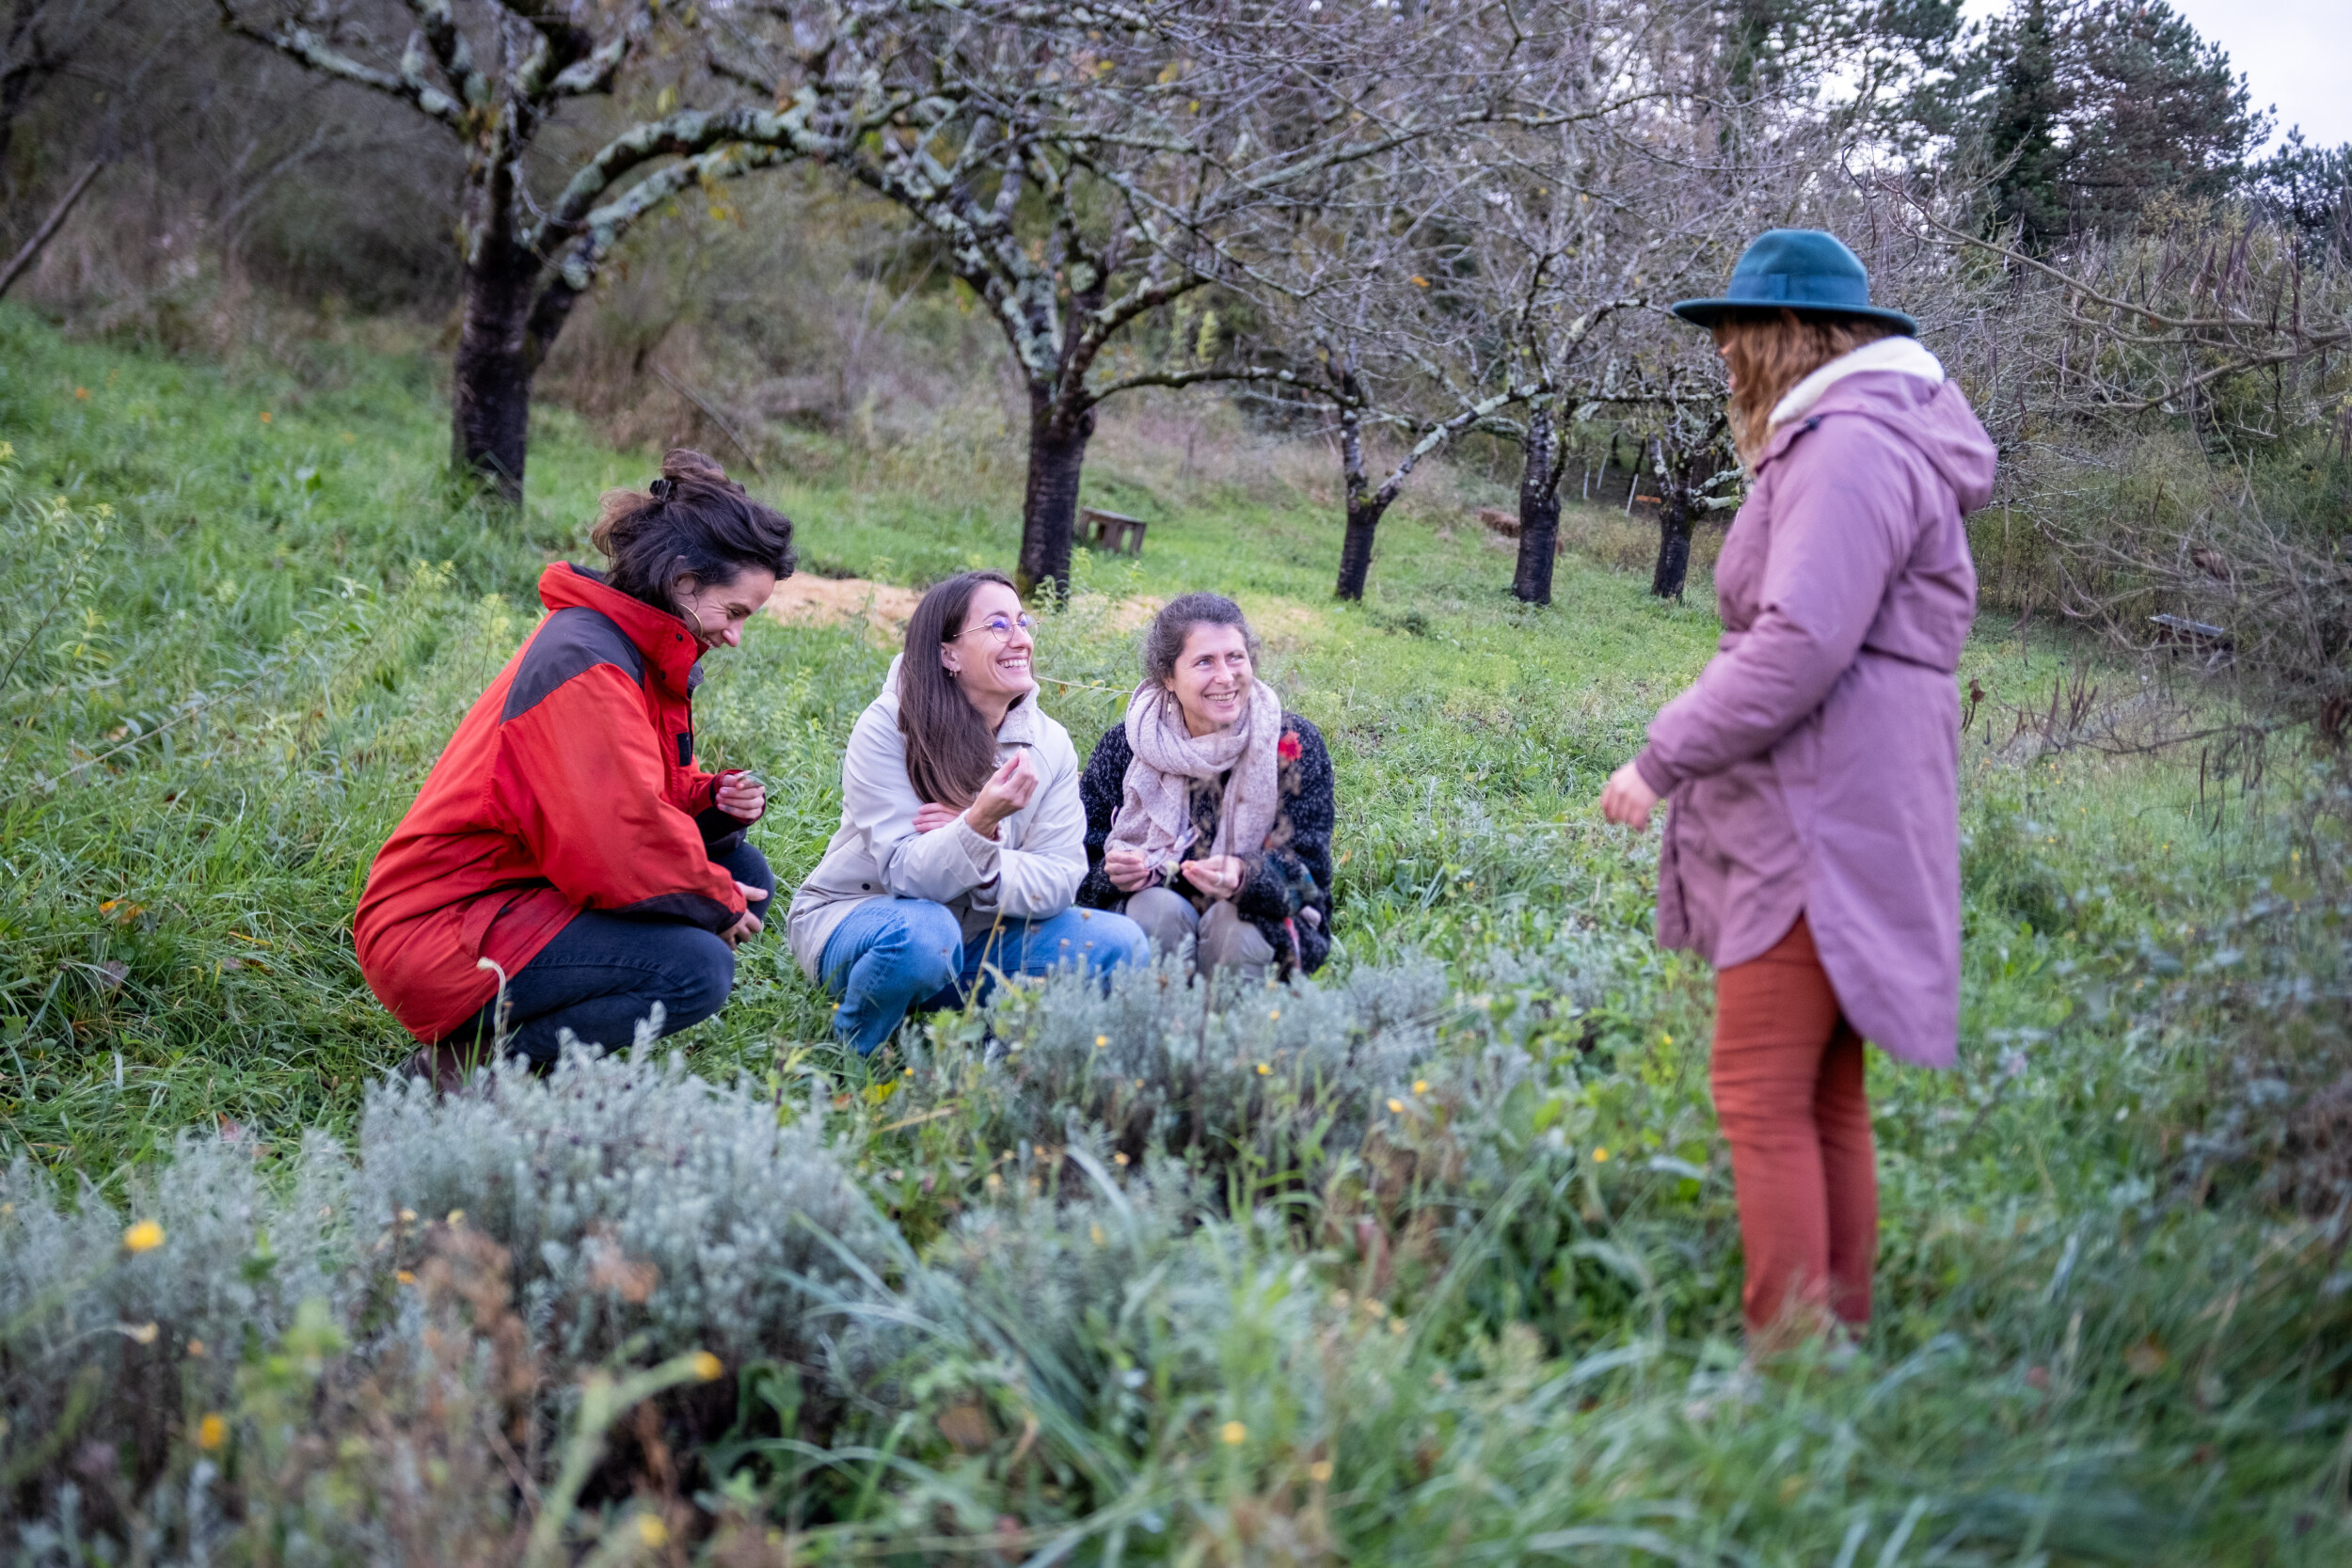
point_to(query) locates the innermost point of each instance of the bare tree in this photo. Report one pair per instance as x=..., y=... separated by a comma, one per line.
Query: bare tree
x=2169, y=408
x=1465, y=278
x=1085, y=171
x=496, y=77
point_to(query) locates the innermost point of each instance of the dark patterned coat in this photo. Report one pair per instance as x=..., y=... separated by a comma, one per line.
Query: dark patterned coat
x=1287, y=892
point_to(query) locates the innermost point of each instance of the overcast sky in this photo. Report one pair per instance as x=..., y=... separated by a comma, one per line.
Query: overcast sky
x=2295, y=53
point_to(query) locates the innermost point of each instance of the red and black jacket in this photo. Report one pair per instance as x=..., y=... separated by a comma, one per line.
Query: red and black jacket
x=571, y=785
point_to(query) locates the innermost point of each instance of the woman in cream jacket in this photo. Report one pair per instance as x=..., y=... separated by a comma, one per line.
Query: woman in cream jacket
x=962, y=839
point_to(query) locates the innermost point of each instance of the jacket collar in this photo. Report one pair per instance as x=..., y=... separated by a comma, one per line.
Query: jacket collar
x=670, y=649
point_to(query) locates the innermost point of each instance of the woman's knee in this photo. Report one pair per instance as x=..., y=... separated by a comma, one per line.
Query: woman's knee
x=925, y=943
x=1166, y=917
x=1108, y=941
x=1230, y=940
x=697, y=979
x=747, y=866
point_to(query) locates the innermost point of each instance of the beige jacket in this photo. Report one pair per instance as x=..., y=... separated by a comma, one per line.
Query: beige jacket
x=1029, y=871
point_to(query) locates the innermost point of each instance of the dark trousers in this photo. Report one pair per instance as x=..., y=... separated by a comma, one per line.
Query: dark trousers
x=604, y=971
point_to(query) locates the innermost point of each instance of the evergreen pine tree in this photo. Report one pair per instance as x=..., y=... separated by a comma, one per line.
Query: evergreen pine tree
x=2022, y=125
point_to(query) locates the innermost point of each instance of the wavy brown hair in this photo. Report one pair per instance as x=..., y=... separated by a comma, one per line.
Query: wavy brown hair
x=1769, y=350
x=693, y=521
x=950, y=749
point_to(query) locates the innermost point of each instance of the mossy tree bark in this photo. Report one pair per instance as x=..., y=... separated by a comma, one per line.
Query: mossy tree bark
x=1539, y=508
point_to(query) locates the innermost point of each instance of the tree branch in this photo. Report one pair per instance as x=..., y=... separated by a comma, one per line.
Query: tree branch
x=306, y=48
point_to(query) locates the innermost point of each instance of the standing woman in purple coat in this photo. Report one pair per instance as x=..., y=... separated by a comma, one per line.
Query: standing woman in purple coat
x=1812, y=851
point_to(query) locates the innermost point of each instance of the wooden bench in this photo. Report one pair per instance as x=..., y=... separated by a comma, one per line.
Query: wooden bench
x=1113, y=531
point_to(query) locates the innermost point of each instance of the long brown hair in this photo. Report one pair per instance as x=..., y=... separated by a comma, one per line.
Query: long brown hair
x=693, y=520
x=950, y=749
x=1769, y=350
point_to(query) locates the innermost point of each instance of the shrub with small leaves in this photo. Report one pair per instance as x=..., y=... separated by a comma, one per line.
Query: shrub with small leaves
x=635, y=1198
x=112, y=1322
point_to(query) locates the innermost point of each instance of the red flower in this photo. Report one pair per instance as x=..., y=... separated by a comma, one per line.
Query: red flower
x=1287, y=748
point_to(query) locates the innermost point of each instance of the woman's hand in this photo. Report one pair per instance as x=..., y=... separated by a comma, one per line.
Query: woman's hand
x=1128, y=869
x=1220, y=875
x=1627, y=798
x=1007, y=791
x=931, y=816
x=747, y=925
x=742, y=796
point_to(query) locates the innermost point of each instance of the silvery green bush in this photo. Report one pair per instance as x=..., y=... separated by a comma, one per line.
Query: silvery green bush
x=613, y=1164
x=113, y=1320
x=1162, y=1061
x=643, y=1213
x=1285, y=1078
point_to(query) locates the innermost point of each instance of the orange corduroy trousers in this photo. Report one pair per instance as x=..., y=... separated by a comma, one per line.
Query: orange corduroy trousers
x=1789, y=1094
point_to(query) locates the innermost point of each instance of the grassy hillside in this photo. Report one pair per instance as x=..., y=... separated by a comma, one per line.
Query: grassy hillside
x=242, y=612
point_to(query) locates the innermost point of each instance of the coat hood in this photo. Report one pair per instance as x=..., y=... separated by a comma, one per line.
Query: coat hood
x=1900, y=386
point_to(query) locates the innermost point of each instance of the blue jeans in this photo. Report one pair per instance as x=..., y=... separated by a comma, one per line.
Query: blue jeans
x=890, y=957
x=604, y=971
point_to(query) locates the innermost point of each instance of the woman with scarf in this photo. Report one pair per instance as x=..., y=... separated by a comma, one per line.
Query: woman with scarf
x=568, y=866
x=1812, y=851
x=962, y=840
x=1209, y=809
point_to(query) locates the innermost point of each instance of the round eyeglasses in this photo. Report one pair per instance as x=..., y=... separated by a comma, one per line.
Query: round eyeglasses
x=1000, y=626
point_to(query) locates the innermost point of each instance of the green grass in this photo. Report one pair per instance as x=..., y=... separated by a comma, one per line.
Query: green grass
x=233, y=647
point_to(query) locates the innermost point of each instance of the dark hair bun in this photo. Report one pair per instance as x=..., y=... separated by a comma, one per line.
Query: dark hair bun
x=693, y=520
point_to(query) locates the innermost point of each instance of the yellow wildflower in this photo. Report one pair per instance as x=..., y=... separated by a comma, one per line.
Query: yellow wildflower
x=146, y=1235
x=1421, y=1085
x=1234, y=1433
x=707, y=1367
x=1319, y=1471
x=652, y=1532
x=1600, y=1156
x=1396, y=1107
x=211, y=1433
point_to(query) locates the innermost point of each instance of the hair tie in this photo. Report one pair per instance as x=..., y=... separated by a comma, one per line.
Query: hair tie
x=664, y=489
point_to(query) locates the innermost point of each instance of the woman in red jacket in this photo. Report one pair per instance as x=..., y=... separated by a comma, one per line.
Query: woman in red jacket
x=567, y=866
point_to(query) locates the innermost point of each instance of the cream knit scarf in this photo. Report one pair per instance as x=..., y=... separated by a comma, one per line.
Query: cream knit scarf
x=1155, y=813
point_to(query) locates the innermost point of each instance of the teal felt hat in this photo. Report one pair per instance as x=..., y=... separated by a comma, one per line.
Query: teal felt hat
x=1803, y=270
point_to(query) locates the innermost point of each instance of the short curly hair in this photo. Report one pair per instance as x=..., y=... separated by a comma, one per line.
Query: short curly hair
x=1164, y=643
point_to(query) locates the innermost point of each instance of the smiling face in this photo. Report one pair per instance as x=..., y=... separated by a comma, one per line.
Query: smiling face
x=991, y=670
x=717, y=613
x=1210, y=681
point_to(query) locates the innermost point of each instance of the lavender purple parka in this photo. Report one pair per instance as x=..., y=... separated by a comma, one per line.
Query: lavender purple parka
x=1814, y=766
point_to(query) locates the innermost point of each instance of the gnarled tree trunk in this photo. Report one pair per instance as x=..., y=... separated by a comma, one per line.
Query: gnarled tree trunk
x=1674, y=545
x=491, y=390
x=1539, y=511
x=1363, y=517
x=1365, y=504
x=1049, y=504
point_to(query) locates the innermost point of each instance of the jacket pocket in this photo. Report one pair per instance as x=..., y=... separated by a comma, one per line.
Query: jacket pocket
x=474, y=926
